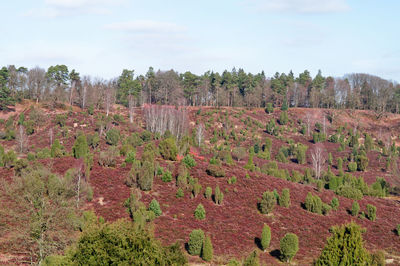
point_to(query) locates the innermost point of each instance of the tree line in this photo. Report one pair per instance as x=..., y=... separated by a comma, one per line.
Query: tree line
x=229, y=88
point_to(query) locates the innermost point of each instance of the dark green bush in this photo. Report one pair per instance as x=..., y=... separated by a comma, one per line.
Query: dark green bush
x=283, y=118
x=207, y=251
x=167, y=176
x=80, y=148
x=112, y=136
x=168, y=149
x=352, y=166
x=335, y=204
x=269, y=109
x=189, y=161
x=313, y=203
x=56, y=150
x=349, y=192
x=208, y=193
x=362, y=162
x=218, y=196
x=180, y=193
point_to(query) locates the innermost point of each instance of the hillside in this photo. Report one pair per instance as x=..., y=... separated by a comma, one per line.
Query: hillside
x=234, y=225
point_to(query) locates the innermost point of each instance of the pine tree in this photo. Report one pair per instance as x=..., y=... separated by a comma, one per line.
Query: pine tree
x=345, y=247
x=289, y=246
x=207, y=252
x=195, y=244
x=265, y=237
x=155, y=207
x=284, y=199
x=80, y=148
x=200, y=212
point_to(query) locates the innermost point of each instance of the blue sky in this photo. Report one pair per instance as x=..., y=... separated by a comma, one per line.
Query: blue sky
x=101, y=37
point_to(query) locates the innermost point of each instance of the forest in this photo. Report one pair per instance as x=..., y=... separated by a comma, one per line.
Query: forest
x=234, y=88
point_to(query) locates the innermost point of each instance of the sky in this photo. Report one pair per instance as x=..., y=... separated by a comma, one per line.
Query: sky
x=102, y=37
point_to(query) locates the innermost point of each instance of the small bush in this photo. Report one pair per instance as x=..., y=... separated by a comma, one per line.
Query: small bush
x=196, y=189
x=371, y=212
x=352, y=166
x=189, y=161
x=179, y=193
x=313, y=203
x=265, y=237
x=200, y=212
x=269, y=109
x=238, y=153
x=155, y=207
x=168, y=149
x=80, y=148
x=289, y=245
x=355, y=208
x=283, y=118
x=56, y=150
x=208, y=193
x=335, y=204
x=218, y=196
x=349, y=192
x=167, y=176
x=284, y=199
x=215, y=170
x=267, y=202
x=362, y=162
x=195, y=244
x=232, y=180
x=398, y=230
x=207, y=252
x=112, y=136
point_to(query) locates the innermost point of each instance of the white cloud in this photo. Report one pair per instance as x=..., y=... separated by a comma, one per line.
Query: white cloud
x=58, y=8
x=300, y=6
x=146, y=26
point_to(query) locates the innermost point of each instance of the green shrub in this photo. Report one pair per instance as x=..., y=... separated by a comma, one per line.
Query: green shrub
x=371, y=212
x=352, y=166
x=267, y=202
x=167, y=176
x=207, y=251
x=130, y=156
x=283, y=118
x=93, y=140
x=284, y=199
x=378, y=258
x=335, y=204
x=349, y=192
x=218, y=196
x=200, y=212
x=232, y=180
x=60, y=120
x=208, y=193
x=398, y=230
x=80, y=148
x=179, y=193
x=189, y=161
x=250, y=165
x=271, y=127
x=326, y=208
x=362, y=162
x=344, y=247
x=168, y=149
x=239, y=153
x=313, y=203
x=289, y=245
x=269, y=109
x=195, y=243
x=280, y=157
x=121, y=243
x=112, y=136
x=368, y=143
x=355, y=208
x=155, y=207
x=318, y=137
x=146, y=175
x=300, y=153
x=215, y=170
x=196, y=189
x=252, y=259
x=56, y=150
x=265, y=237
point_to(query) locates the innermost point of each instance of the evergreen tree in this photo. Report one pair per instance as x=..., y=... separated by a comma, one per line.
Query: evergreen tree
x=289, y=246
x=265, y=237
x=207, y=252
x=80, y=148
x=284, y=199
x=155, y=207
x=200, y=212
x=345, y=247
x=196, y=240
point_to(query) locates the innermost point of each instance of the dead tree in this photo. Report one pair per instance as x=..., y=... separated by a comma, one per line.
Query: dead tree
x=51, y=136
x=318, y=161
x=131, y=108
x=308, y=123
x=200, y=134
x=22, y=139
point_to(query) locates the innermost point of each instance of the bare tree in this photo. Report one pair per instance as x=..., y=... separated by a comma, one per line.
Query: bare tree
x=51, y=135
x=308, y=123
x=22, y=139
x=200, y=134
x=318, y=161
x=162, y=118
x=131, y=108
x=109, y=96
x=36, y=82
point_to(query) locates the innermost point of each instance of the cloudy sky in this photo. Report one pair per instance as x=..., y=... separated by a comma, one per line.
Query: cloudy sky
x=101, y=37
